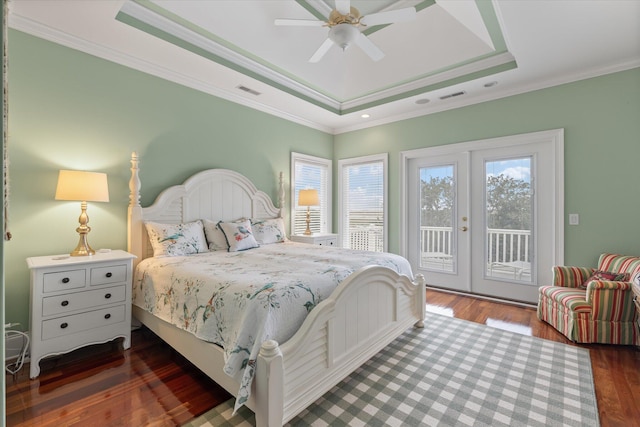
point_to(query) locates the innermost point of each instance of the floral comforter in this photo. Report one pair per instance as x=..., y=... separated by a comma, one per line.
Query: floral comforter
x=240, y=299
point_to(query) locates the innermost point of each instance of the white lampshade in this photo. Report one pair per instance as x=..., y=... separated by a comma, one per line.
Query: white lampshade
x=308, y=198
x=82, y=186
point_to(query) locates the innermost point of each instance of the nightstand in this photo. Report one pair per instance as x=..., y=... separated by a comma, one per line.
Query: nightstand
x=78, y=301
x=323, y=239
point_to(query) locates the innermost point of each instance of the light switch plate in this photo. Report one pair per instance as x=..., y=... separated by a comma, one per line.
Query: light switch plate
x=574, y=219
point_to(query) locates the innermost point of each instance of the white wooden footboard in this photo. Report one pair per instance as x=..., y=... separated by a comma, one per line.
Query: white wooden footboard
x=365, y=313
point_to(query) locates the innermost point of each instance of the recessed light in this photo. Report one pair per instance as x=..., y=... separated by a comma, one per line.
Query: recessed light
x=365, y=116
x=422, y=101
x=491, y=84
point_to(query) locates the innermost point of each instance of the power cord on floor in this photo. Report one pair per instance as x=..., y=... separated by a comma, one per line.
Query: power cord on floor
x=14, y=368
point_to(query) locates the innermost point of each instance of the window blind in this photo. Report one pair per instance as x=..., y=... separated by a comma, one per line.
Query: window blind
x=363, y=197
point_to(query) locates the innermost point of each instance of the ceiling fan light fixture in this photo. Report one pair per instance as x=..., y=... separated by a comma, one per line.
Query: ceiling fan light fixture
x=343, y=35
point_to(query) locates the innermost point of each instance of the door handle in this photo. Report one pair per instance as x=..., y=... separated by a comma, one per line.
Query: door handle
x=464, y=228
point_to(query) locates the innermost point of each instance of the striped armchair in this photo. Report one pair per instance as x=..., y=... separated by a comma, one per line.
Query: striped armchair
x=598, y=311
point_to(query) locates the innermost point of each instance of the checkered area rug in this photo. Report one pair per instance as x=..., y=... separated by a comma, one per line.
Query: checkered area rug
x=453, y=373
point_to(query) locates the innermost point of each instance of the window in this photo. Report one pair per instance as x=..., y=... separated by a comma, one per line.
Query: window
x=363, y=203
x=309, y=172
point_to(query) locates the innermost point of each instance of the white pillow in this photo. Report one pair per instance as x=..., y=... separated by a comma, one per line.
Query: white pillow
x=239, y=235
x=176, y=239
x=215, y=237
x=267, y=231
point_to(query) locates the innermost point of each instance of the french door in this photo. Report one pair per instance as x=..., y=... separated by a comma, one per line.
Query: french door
x=486, y=217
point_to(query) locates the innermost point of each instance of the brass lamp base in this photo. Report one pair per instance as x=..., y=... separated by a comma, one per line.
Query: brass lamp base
x=308, y=232
x=83, y=248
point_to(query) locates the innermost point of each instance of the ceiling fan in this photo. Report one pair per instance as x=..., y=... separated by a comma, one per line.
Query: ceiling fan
x=343, y=25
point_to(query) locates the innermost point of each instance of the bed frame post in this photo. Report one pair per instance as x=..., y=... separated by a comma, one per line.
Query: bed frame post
x=281, y=195
x=269, y=389
x=134, y=219
x=421, y=284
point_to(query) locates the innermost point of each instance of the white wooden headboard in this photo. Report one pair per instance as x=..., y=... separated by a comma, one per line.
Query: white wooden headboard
x=214, y=194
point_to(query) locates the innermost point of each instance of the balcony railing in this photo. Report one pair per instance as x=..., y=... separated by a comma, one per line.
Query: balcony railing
x=507, y=251
x=367, y=238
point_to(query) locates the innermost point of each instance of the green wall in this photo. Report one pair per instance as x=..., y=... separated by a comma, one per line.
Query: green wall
x=70, y=110
x=601, y=118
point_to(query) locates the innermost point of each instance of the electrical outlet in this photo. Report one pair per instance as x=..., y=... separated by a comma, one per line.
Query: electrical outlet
x=574, y=219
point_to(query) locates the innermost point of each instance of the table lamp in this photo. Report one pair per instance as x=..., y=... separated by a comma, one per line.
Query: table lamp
x=308, y=198
x=83, y=187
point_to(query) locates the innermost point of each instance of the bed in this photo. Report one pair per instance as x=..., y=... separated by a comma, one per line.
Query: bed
x=366, y=311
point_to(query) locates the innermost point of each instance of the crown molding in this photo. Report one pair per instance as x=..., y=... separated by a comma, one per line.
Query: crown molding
x=479, y=99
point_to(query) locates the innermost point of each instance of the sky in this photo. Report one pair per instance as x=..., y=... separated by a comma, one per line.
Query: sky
x=519, y=168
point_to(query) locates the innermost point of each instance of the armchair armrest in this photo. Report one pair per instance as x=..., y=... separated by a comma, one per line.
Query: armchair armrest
x=570, y=277
x=611, y=301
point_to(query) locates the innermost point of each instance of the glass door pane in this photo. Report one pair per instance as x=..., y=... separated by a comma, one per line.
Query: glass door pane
x=437, y=243
x=509, y=219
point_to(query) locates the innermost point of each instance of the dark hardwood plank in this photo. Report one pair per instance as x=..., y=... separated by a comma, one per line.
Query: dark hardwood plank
x=152, y=385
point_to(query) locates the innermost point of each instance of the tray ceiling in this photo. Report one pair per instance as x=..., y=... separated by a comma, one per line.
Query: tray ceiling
x=452, y=41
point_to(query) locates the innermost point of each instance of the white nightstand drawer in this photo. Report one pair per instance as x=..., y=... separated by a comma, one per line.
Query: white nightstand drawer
x=68, y=325
x=330, y=241
x=61, y=280
x=110, y=274
x=66, y=303
x=324, y=239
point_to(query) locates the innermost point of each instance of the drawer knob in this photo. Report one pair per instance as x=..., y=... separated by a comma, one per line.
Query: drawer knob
x=107, y=316
x=64, y=325
x=65, y=280
x=109, y=274
x=64, y=303
x=107, y=296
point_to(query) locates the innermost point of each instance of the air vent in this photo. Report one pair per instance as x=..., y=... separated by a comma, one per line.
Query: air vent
x=451, y=95
x=249, y=90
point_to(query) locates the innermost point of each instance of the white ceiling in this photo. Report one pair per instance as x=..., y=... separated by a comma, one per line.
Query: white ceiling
x=452, y=46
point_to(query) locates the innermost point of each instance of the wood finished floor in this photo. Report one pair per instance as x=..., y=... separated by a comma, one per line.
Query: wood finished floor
x=151, y=385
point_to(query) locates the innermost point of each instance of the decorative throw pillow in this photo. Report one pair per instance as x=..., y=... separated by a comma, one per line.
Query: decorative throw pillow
x=268, y=231
x=606, y=275
x=636, y=278
x=239, y=235
x=176, y=239
x=215, y=237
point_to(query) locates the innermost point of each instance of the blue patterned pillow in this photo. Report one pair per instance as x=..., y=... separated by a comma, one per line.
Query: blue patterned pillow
x=267, y=231
x=239, y=235
x=176, y=239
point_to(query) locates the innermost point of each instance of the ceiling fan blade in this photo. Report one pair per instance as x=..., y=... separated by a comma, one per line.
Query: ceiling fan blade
x=322, y=50
x=299, y=23
x=369, y=47
x=343, y=6
x=389, y=17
